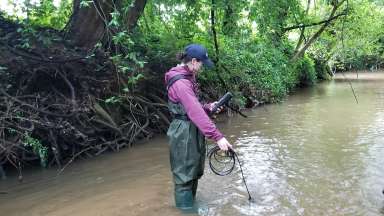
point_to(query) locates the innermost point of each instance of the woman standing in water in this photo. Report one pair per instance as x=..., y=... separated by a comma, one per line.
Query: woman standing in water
x=190, y=124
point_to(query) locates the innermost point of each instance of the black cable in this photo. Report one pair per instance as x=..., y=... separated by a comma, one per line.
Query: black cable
x=225, y=157
x=236, y=110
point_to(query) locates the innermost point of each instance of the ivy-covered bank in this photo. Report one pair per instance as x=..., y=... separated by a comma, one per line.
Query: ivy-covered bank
x=79, y=78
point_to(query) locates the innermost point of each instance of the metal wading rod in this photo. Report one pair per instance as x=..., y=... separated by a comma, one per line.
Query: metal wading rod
x=213, y=155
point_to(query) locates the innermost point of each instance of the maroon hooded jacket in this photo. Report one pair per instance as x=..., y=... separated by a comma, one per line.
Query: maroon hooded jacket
x=184, y=91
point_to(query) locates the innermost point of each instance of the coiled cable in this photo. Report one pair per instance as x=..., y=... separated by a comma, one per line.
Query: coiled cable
x=222, y=163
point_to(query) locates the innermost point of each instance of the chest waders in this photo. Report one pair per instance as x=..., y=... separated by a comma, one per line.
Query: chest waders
x=187, y=153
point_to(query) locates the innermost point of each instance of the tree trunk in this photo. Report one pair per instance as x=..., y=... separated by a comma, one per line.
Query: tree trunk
x=217, y=56
x=134, y=13
x=301, y=39
x=302, y=30
x=88, y=25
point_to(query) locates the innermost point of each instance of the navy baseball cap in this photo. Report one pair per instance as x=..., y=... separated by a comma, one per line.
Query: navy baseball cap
x=199, y=52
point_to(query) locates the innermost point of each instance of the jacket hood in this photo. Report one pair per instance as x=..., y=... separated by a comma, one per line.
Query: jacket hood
x=178, y=70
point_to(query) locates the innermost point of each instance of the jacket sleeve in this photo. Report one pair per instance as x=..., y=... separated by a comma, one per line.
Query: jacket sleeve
x=183, y=91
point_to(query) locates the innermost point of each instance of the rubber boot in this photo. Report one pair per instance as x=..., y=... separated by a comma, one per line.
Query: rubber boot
x=184, y=197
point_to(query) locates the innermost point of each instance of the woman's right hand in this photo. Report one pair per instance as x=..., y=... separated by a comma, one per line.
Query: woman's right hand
x=224, y=144
x=212, y=105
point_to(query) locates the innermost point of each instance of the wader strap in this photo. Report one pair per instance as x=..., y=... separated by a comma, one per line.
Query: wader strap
x=169, y=84
x=180, y=117
x=175, y=78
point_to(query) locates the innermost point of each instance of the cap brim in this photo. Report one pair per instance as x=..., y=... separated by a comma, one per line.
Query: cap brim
x=208, y=63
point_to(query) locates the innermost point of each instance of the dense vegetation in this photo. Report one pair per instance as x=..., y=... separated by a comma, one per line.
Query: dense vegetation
x=80, y=77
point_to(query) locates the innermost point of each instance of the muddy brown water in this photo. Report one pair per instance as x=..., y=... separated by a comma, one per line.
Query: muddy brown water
x=317, y=153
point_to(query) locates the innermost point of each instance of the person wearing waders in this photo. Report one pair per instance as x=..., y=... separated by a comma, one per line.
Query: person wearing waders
x=190, y=125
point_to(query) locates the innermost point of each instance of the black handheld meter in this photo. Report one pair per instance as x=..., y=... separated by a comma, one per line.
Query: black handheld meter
x=223, y=101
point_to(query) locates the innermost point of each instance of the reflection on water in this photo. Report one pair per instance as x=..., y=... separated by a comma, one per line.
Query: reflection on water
x=317, y=153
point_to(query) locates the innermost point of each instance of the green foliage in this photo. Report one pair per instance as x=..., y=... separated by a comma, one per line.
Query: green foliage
x=28, y=33
x=323, y=72
x=113, y=100
x=43, y=13
x=37, y=148
x=31, y=35
x=260, y=61
x=255, y=50
x=354, y=42
x=272, y=16
x=257, y=64
x=306, y=69
x=124, y=53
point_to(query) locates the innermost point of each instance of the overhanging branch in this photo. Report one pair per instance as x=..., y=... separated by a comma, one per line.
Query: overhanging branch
x=318, y=33
x=315, y=23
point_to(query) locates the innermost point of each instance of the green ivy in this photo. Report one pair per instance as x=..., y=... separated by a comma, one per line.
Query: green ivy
x=37, y=148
